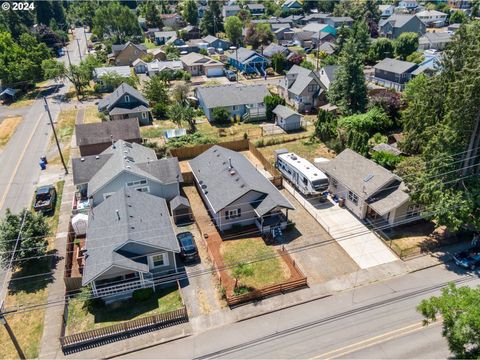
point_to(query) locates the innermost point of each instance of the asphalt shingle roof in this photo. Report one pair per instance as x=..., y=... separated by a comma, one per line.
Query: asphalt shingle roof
x=126, y=216
x=284, y=112
x=229, y=95
x=110, y=101
x=397, y=20
x=223, y=185
x=98, y=133
x=395, y=66
x=179, y=201
x=303, y=79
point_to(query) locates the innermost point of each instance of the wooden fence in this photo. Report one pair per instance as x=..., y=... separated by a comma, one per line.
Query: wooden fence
x=72, y=283
x=97, y=335
x=189, y=152
x=268, y=166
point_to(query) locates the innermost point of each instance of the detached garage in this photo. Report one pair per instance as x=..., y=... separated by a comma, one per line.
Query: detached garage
x=287, y=118
x=181, y=210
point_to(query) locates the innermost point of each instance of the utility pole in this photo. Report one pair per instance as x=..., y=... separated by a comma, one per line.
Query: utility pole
x=55, y=134
x=4, y=322
x=318, y=48
x=79, y=51
x=85, y=36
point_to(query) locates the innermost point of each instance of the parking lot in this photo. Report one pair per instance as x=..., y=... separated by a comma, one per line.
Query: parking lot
x=319, y=256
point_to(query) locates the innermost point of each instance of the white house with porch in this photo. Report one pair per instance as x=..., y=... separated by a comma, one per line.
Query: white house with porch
x=236, y=193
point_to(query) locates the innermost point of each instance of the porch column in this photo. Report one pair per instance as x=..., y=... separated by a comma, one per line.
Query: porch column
x=142, y=280
x=175, y=262
x=94, y=289
x=286, y=214
x=261, y=222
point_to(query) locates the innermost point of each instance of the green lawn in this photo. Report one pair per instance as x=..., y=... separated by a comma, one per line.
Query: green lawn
x=80, y=319
x=265, y=272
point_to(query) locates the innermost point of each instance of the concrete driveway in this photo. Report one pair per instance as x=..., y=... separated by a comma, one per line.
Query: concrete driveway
x=363, y=246
x=313, y=250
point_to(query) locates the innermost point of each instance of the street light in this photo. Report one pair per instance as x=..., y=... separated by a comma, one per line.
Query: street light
x=236, y=59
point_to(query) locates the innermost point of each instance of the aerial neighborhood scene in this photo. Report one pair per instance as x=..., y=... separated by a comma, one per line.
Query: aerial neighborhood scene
x=199, y=179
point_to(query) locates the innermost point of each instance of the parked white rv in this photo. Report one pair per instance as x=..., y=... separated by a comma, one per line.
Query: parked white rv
x=305, y=176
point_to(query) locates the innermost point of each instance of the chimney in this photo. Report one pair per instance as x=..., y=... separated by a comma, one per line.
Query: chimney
x=118, y=214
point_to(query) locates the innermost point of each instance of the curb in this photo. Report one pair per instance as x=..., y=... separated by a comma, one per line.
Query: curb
x=121, y=353
x=284, y=308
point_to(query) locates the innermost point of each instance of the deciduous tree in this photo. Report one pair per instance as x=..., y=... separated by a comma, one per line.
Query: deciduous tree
x=190, y=12
x=233, y=29
x=116, y=22
x=406, y=44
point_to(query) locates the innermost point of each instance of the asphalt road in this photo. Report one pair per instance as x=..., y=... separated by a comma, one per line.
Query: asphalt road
x=375, y=321
x=20, y=158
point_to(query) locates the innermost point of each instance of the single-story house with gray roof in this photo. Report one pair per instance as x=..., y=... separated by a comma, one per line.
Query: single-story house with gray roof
x=130, y=239
x=394, y=73
x=287, y=118
x=128, y=165
x=244, y=101
x=370, y=191
x=236, y=193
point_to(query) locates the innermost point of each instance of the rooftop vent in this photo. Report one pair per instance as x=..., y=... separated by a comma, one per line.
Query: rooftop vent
x=368, y=178
x=97, y=157
x=82, y=159
x=118, y=214
x=232, y=172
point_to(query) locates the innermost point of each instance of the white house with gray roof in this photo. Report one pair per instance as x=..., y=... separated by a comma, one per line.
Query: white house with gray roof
x=241, y=101
x=236, y=193
x=130, y=240
x=126, y=165
x=370, y=191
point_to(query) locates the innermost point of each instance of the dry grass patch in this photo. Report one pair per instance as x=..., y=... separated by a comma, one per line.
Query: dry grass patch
x=91, y=115
x=305, y=148
x=230, y=132
x=7, y=129
x=272, y=270
x=156, y=130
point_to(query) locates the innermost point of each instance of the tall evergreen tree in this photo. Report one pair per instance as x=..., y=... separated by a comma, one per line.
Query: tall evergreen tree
x=59, y=13
x=349, y=91
x=212, y=21
x=152, y=16
x=190, y=12
x=44, y=11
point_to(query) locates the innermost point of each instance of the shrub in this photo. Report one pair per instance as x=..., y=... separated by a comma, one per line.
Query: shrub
x=271, y=102
x=89, y=302
x=142, y=294
x=221, y=116
x=386, y=159
x=159, y=110
x=242, y=289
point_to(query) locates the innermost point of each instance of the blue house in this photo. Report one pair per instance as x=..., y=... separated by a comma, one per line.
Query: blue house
x=292, y=4
x=248, y=61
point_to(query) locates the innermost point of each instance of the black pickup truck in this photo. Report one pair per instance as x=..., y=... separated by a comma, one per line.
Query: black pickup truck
x=45, y=199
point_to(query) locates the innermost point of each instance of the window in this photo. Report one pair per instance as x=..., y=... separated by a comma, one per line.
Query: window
x=127, y=98
x=231, y=214
x=160, y=260
x=137, y=182
x=305, y=181
x=312, y=88
x=144, y=115
x=353, y=197
x=107, y=195
x=143, y=189
x=234, y=108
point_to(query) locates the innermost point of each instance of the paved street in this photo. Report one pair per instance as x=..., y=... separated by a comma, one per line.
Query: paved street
x=357, y=323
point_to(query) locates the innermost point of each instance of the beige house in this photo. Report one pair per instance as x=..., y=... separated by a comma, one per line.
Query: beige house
x=158, y=54
x=126, y=54
x=197, y=65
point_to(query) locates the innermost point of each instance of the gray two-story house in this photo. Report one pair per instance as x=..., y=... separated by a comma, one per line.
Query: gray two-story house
x=397, y=24
x=393, y=73
x=126, y=165
x=302, y=89
x=130, y=240
x=126, y=102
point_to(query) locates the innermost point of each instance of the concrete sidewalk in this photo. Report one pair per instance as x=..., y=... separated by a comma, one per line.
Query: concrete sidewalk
x=363, y=246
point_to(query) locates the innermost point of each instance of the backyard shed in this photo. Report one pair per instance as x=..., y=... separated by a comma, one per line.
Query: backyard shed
x=181, y=210
x=287, y=118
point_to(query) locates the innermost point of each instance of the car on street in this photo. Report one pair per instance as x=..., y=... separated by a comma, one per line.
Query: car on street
x=468, y=259
x=230, y=75
x=188, y=248
x=45, y=199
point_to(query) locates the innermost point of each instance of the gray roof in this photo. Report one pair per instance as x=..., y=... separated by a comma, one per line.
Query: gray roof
x=387, y=200
x=397, y=20
x=284, y=112
x=109, y=102
x=85, y=168
x=316, y=16
x=229, y=95
x=436, y=37
x=273, y=48
x=223, y=185
x=210, y=38
x=165, y=34
x=127, y=217
x=255, y=6
x=119, y=110
x=315, y=27
x=103, y=132
x=303, y=79
x=232, y=7
x=133, y=158
x=359, y=174
x=328, y=48
x=121, y=47
x=198, y=59
x=329, y=71
x=119, y=70
x=387, y=148
x=179, y=201
x=395, y=66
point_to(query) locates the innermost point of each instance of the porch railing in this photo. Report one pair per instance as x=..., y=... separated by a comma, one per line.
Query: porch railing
x=124, y=287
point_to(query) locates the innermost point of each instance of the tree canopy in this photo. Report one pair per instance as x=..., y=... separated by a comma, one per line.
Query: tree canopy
x=380, y=49
x=233, y=29
x=349, y=91
x=441, y=125
x=190, y=12
x=212, y=21
x=152, y=16
x=406, y=44
x=458, y=308
x=116, y=22
x=258, y=35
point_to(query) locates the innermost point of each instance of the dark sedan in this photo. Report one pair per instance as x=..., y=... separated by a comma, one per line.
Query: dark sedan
x=469, y=258
x=188, y=249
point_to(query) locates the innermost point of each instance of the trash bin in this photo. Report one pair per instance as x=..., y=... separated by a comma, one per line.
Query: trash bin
x=43, y=165
x=341, y=202
x=44, y=159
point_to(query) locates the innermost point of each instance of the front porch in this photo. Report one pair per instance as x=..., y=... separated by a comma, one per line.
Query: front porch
x=254, y=113
x=272, y=220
